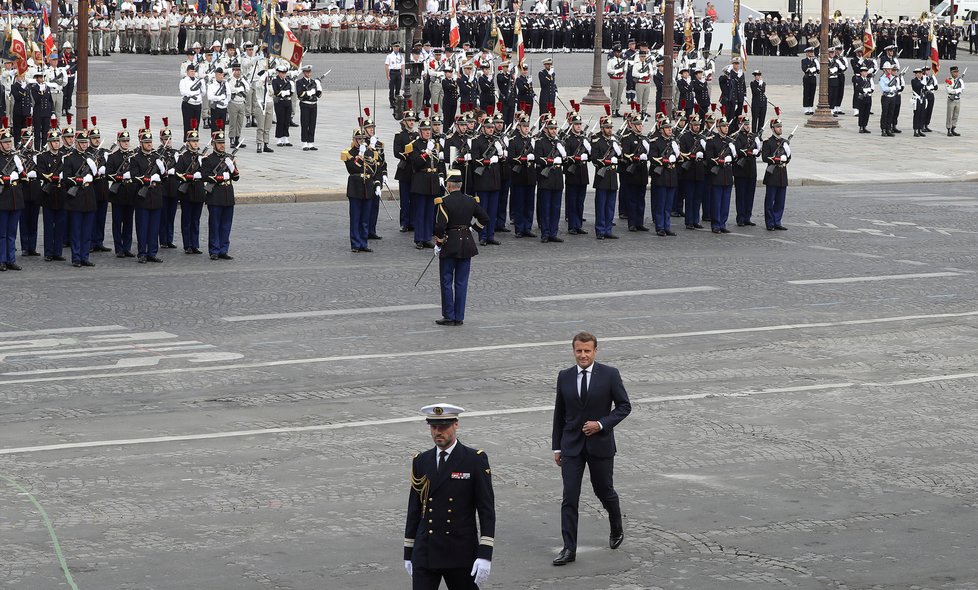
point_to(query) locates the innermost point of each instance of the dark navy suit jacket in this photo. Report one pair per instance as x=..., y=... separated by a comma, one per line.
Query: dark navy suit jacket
x=607, y=403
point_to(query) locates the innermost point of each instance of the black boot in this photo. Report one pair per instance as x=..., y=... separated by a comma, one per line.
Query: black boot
x=949, y=134
x=955, y=133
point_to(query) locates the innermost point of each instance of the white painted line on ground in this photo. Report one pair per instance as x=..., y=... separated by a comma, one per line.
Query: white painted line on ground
x=329, y=312
x=579, y=296
x=508, y=346
x=469, y=415
x=826, y=248
x=913, y=262
x=865, y=255
x=79, y=330
x=782, y=241
x=923, y=275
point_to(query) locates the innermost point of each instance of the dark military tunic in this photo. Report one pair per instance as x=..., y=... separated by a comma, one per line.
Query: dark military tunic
x=215, y=170
x=453, y=220
x=776, y=173
x=79, y=194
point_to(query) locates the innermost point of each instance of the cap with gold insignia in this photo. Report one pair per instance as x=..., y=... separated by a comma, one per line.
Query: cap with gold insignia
x=441, y=413
x=453, y=175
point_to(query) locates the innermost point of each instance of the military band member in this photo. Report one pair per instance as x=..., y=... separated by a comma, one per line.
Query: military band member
x=634, y=173
x=403, y=173
x=191, y=190
x=52, y=198
x=692, y=176
x=309, y=91
x=191, y=89
x=719, y=155
x=121, y=194
x=11, y=198
x=79, y=171
x=548, y=85
x=748, y=146
x=809, y=80
x=954, y=86
x=451, y=484
x=219, y=170
x=549, y=155
x=863, y=90
x=370, y=131
x=282, y=91
x=776, y=153
x=642, y=73
x=146, y=172
x=457, y=214
x=361, y=187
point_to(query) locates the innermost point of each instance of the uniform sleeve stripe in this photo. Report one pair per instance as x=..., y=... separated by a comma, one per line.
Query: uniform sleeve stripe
x=487, y=541
x=408, y=542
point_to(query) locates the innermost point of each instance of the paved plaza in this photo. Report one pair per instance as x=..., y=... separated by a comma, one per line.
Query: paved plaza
x=803, y=412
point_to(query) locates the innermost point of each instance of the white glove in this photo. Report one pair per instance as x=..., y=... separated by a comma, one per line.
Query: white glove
x=441, y=181
x=587, y=145
x=645, y=144
x=14, y=176
x=643, y=157
x=430, y=146
x=155, y=178
x=557, y=161
x=493, y=159
x=127, y=175
x=32, y=174
x=441, y=155
x=87, y=178
x=230, y=164
x=499, y=146
x=363, y=149
x=310, y=92
x=101, y=170
x=480, y=570
x=284, y=93
x=584, y=157
x=699, y=155
x=373, y=141
x=377, y=191
x=614, y=160
x=787, y=150
x=728, y=159
x=409, y=567
x=437, y=250
x=197, y=176
x=530, y=157
x=833, y=70
x=560, y=148
x=170, y=171
x=468, y=157
x=385, y=179
x=672, y=159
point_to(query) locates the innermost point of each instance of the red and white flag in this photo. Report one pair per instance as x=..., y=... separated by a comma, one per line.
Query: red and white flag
x=518, y=42
x=44, y=33
x=453, y=35
x=935, y=56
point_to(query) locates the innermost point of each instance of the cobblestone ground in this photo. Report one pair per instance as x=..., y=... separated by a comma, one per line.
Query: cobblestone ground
x=803, y=403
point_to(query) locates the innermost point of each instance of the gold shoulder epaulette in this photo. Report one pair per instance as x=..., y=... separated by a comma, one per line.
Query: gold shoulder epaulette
x=479, y=452
x=408, y=148
x=476, y=199
x=344, y=156
x=416, y=455
x=439, y=200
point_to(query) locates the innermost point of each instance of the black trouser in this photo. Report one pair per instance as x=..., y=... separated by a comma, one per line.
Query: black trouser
x=41, y=127
x=283, y=116
x=835, y=93
x=758, y=111
x=602, y=480
x=972, y=44
x=919, y=114
x=68, y=89
x=808, y=92
x=190, y=111
x=455, y=579
x=930, y=110
x=886, y=116
x=864, y=104
x=18, y=124
x=307, y=121
x=394, y=86
x=896, y=111
x=219, y=114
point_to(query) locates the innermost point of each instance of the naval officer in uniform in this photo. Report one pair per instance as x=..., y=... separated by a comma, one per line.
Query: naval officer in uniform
x=450, y=485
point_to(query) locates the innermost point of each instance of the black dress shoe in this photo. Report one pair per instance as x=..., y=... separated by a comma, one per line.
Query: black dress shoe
x=286, y=144
x=670, y=233
x=661, y=233
x=196, y=251
x=305, y=149
x=153, y=259
x=87, y=263
x=213, y=257
x=374, y=237
x=529, y=234
x=420, y=246
x=48, y=259
x=353, y=250
x=599, y=236
x=614, y=541
x=483, y=242
x=724, y=231
x=504, y=230
x=582, y=232
x=716, y=231
x=128, y=254
x=222, y=257
x=366, y=249
x=750, y=223
x=13, y=266
x=58, y=258
x=564, y=557
x=445, y=322
x=120, y=254
x=493, y=242
x=101, y=249
x=313, y=148
x=267, y=150
x=292, y=124
x=895, y=130
x=188, y=251
x=32, y=253
x=739, y=224
x=611, y=237
x=781, y=228
x=641, y=228
x=555, y=239
x=404, y=229
x=75, y=264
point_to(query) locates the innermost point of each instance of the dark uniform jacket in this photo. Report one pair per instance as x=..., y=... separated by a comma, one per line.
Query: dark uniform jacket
x=745, y=163
x=664, y=172
x=117, y=164
x=222, y=191
x=79, y=195
x=701, y=91
x=690, y=144
x=170, y=183
x=147, y=193
x=487, y=92
x=485, y=175
x=365, y=175
x=303, y=85
x=280, y=85
x=548, y=87
x=427, y=167
x=21, y=93
x=401, y=140
x=522, y=171
x=685, y=89
x=549, y=176
x=576, y=171
x=776, y=173
x=101, y=184
x=30, y=187
x=190, y=189
x=42, y=103
x=717, y=149
x=605, y=173
x=49, y=172
x=636, y=171
x=453, y=223
x=524, y=90
x=441, y=530
x=504, y=82
x=11, y=195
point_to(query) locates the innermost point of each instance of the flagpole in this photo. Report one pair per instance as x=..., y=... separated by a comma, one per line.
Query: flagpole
x=668, y=49
x=596, y=95
x=81, y=52
x=823, y=119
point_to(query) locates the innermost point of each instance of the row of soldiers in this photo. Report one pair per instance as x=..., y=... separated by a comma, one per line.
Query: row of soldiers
x=52, y=76
x=71, y=182
x=524, y=171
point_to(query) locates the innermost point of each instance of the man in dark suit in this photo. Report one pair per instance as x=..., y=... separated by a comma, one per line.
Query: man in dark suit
x=583, y=434
x=450, y=484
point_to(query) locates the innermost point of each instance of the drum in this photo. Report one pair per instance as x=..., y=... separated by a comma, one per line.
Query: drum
x=775, y=39
x=815, y=42
x=791, y=40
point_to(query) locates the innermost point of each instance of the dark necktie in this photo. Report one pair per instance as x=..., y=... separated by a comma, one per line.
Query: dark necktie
x=442, y=457
x=584, y=387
